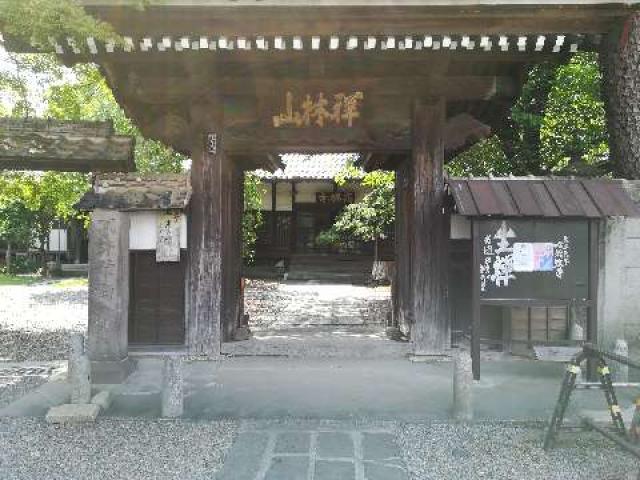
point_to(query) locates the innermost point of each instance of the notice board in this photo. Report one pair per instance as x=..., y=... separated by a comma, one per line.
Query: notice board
x=533, y=259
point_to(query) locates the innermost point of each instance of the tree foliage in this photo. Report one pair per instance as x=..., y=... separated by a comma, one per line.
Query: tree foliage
x=252, y=217
x=486, y=157
x=89, y=97
x=557, y=126
x=38, y=22
x=16, y=223
x=369, y=219
x=573, y=133
x=38, y=198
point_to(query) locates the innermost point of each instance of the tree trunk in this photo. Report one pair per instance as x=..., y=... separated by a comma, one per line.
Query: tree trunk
x=7, y=258
x=619, y=60
x=43, y=257
x=378, y=271
x=376, y=246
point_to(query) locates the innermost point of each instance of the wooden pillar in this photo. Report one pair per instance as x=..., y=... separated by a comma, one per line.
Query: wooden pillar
x=233, y=207
x=293, y=237
x=429, y=252
x=620, y=61
x=273, y=228
x=208, y=169
x=476, y=308
x=402, y=302
x=229, y=280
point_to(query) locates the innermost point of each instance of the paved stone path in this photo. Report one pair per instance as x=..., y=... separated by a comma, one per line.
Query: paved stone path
x=275, y=305
x=331, y=453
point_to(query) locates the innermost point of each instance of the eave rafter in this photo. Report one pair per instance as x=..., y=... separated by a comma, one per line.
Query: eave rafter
x=371, y=44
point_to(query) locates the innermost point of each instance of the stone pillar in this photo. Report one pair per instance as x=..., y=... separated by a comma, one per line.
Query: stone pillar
x=430, y=237
x=79, y=371
x=109, y=296
x=462, y=386
x=620, y=371
x=172, y=387
x=620, y=62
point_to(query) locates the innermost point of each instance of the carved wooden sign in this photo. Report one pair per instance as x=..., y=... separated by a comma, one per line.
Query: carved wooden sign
x=168, y=238
x=335, y=197
x=340, y=110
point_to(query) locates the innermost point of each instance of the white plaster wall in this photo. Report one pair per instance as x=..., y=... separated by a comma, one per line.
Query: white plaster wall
x=58, y=240
x=283, y=197
x=143, y=230
x=619, y=287
x=306, y=192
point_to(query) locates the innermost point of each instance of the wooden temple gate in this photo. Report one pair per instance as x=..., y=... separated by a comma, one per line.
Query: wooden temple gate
x=406, y=84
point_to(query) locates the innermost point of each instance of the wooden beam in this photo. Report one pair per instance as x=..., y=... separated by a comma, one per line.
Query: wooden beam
x=294, y=63
x=326, y=20
x=259, y=140
x=169, y=89
x=430, y=332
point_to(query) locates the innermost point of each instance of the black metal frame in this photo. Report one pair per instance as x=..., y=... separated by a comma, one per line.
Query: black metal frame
x=569, y=384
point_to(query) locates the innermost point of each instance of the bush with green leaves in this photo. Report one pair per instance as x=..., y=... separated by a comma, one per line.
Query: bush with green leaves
x=369, y=219
x=252, y=217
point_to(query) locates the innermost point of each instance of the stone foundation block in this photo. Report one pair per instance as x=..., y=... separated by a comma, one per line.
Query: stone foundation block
x=172, y=387
x=111, y=372
x=102, y=399
x=462, y=387
x=72, y=413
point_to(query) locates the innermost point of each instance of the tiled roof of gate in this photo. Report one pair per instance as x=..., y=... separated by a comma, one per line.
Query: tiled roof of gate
x=309, y=167
x=48, y=144
x=542, y=197
x=138, y=192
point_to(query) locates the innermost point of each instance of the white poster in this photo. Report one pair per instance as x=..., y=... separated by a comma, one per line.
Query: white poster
x=168, y=238
x=533, y=257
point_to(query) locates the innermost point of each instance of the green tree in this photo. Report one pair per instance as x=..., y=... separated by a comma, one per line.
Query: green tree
x=520, y=138
x=36, y=22
x=252, y=217
x=89, y=97
x=16, y=227
x=557, y=125
x=573, y=133
x=486, y=157
x=369, y=219
x=47, y=196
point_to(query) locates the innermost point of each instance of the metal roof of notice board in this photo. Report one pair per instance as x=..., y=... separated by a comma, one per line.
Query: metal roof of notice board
x=542, y=197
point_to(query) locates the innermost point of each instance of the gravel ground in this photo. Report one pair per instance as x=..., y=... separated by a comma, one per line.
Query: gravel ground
x=499, y=451
x=14, y=388
x=113, y=449
x=36, y=320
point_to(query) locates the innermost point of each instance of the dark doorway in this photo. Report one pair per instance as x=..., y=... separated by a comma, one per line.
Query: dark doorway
x=157, y=301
